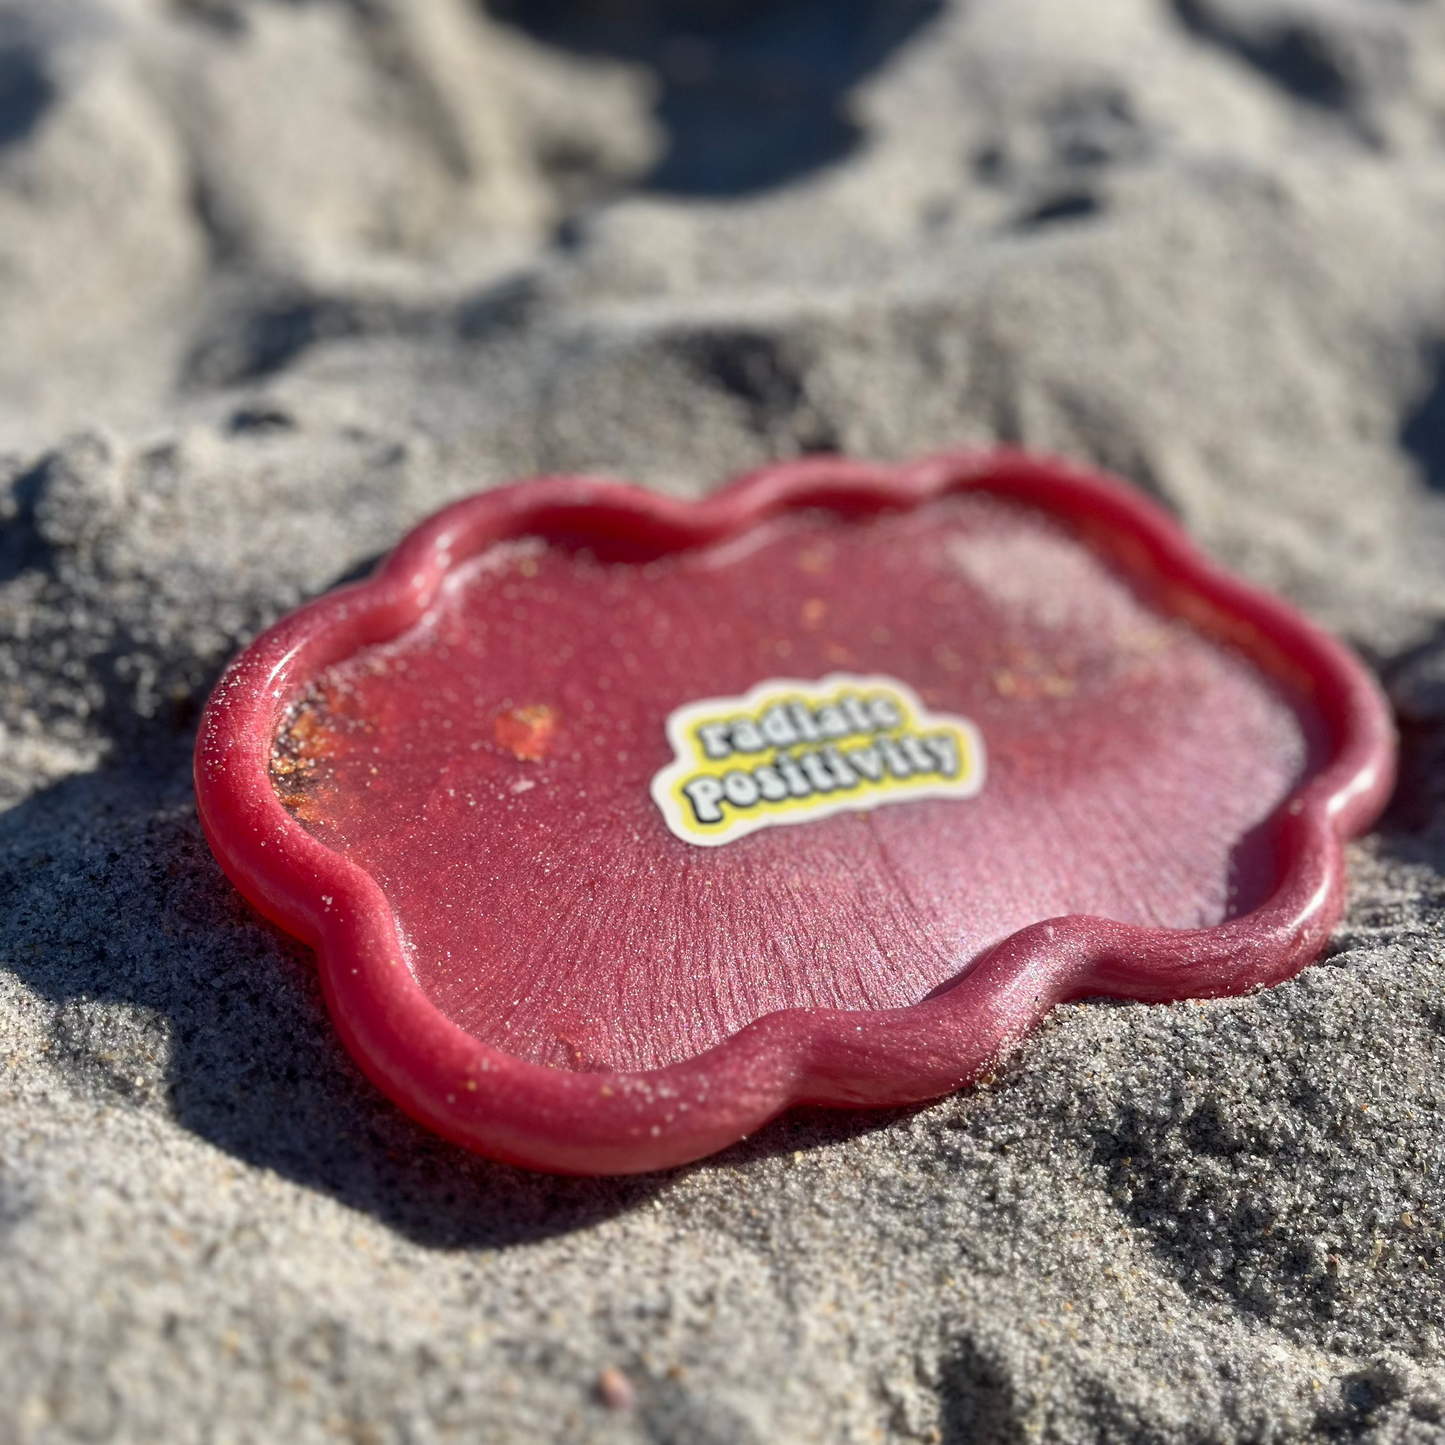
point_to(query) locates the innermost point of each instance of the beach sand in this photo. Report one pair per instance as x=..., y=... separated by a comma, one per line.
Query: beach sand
x=278, y=279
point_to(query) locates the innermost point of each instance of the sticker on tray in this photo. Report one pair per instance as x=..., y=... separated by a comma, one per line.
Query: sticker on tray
x=790, y=752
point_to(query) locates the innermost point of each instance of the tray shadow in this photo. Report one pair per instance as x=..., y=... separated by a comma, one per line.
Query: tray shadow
x=167, y=990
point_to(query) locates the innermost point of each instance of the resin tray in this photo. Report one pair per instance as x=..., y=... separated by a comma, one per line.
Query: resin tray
x=620, y=824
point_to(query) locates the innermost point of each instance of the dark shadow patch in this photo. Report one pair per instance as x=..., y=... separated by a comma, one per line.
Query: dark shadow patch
x=752, y=366
x=1093, y=127
x=1069, y=206
x=227, y=17
x=766, y=375
x=262, y=332
x=265, y=339
x=806, y=1128
x=358, y=571
x=977, y=1400
x=1148, y=1161
x=751, y=94
x=260, y=418
x=508, y=306
x=1416, y=686
x=1233, y=1182
x=1422, y=431
x=990, y=164
x=1300, y=58
x=1363, y=1396
x=23, y=548
x=1419, y=797
x=224, y=234
x=26, y=93
x=1085, y=131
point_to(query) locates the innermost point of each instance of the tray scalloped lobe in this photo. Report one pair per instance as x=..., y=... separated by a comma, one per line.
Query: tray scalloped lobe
x=627, y=1121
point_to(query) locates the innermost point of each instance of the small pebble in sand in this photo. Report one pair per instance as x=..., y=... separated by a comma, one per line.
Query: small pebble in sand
x=615, y=1389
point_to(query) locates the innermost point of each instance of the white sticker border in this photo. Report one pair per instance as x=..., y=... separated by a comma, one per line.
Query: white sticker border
x=687, y=759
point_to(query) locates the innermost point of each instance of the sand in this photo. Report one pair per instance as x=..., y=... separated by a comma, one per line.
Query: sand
x=277, y=279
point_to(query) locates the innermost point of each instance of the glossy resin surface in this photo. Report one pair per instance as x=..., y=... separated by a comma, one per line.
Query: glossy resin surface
x=443, y=779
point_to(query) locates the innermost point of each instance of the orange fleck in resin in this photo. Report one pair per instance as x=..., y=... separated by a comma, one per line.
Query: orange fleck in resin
x=526, y=732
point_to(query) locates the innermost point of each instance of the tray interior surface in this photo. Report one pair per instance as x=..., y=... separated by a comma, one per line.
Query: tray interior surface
x=490, y=768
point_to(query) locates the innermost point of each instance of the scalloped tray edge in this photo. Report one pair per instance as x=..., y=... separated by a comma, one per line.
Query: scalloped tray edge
x=594, y=1123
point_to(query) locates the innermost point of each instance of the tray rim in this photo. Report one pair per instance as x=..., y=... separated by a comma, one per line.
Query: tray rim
x=630, y=1122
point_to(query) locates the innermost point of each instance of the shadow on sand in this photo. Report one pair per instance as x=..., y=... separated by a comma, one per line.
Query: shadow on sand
x=111, y=897
x=751, y=93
